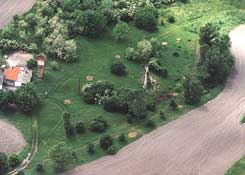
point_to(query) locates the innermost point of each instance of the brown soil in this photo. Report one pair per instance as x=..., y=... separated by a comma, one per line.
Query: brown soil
x=89, y=78
x=132, y=134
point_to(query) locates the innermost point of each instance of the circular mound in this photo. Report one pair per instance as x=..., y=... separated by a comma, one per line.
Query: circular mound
x=90, y=78
x=67, y=102
x=11, y=139
x=132, y=134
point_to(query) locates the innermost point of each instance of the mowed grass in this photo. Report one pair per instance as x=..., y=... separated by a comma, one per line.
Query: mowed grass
x=95, y=59
x=238, y=168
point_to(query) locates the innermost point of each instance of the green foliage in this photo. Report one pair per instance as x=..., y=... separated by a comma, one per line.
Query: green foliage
x=112, y=150
x=94, y=23
x=97, y=92
x=91, y=148
x=21, y=173
x=116, y=103
x=146, y=49
x=122, y=138
x=150, y=124
x=3, y=163
x=32, y=63
x=242, y=120
x=62, y=156
x=7, y=45
x=106, y=142
x=26, y=98
x=40, y=168
x=118, y=68
x=68, y=127
x=151, y=105
x=98, y=125
x=80, y=127
x=192, y=90
x=54, y=65
x=208, y=34
x=156, y=67
x=137, y=106
x=14, y=160
x=120, y=31
x=171, y=19
x=173, y=104
x=146, y=18
x=216, y=61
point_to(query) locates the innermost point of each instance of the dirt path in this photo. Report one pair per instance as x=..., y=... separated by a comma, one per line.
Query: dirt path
x=11, y=140
x=205, y=141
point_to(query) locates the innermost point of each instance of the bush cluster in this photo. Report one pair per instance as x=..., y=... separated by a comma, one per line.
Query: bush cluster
x=155, y=66
x=118, y=68
x=97, y=93
x=146, y=49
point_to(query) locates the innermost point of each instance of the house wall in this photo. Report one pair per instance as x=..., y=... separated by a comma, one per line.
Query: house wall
x=9, y=83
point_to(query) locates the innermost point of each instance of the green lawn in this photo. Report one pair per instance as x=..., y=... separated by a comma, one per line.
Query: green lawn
x=238, y=168
x=95, y=58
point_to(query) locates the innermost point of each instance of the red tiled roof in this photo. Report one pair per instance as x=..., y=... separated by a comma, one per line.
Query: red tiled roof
x=12, y=73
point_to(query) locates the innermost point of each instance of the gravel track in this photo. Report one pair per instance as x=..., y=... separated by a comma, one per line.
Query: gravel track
x=11, y=139
x=205, y=141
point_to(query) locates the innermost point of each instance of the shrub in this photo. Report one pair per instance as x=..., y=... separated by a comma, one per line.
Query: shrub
x=112, y=150
x=32, y=63
x=173, y=104
x=21, y=173
x=137, y=106
x=171, y=19
x=26, y=98
x=118, y=68
x=176, y=54
x=146, y=18
x=162, y=114
x=97, y=92
x=122, y=138
x=242, y=120
x=106, y=142
x=68, y=127
x=91, y=148
x=54, y=65
x=62, y=156
x=80, y=127
x=151, y=105
x=150, y=124
x=3, y=163
x=131, y=54
x=98, y=125
x=14, y=160
x=120, y=31
x=116, y=103
x=156, y=67
x=7, y=45
x=40, y=168
x=146, y=49
x=94, y=23
x=192, y=90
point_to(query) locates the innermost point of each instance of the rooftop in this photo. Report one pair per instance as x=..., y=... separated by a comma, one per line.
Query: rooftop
x=12, y=73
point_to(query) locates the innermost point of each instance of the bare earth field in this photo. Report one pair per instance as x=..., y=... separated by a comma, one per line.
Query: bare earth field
x=9, y=8
x=205, y=141
x=11, y=140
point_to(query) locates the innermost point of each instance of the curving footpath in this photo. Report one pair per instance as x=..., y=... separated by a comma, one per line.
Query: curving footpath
x=205, y=141
x=11, y=139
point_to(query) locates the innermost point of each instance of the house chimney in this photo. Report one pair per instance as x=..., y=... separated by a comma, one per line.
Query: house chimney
x=40, y=65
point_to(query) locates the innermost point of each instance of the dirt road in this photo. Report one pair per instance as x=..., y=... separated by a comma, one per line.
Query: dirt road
x=11, y=140
x=205, y=141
